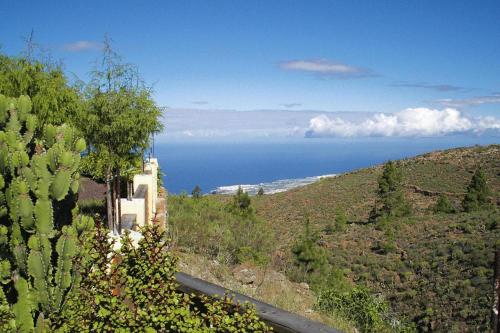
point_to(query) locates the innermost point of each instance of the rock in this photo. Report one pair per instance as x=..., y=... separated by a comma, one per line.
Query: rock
x=245, y=275
x=304, y=285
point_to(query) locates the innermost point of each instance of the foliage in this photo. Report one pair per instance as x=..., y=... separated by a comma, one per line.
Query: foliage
x=119, y=117
x=92, y=207
x=367, y=312
x=139, y=293
x=434, y=269
x=443, y=205
x=260, y=192
x=38, y=241
x=340, y=220
x=477, y=192
x=391, y=200
x=310, y=259
x=241, y=202
x=196, y=192
x=207, y=227
x=53, y=100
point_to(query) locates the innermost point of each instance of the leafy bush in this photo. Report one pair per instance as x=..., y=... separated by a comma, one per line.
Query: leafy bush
x=443, y=205
x=367, y=312
x=208, y=227
x=241, y=202
x=138, y=293
x=340, y=220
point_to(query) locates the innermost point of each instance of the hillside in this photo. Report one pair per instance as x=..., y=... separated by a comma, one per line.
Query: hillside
x=439, y=271
x=434, y=269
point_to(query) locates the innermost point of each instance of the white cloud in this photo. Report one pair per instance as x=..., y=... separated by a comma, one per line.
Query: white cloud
x=409, y=122
x=82, y=45
x=459, y=103
x=327, y=68
x=424, y=85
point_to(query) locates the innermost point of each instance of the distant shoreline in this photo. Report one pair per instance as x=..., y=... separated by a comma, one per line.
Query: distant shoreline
x=277, y=186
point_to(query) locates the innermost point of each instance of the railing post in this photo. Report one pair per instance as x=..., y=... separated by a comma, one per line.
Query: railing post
x=496, y=294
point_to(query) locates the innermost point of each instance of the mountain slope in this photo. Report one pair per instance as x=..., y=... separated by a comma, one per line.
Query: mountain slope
x=435, y=269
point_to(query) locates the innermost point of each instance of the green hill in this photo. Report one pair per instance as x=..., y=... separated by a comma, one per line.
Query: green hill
x=438, y=269
x=433, y=268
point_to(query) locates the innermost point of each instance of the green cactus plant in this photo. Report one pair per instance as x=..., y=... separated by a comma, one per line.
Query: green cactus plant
x=38, y=170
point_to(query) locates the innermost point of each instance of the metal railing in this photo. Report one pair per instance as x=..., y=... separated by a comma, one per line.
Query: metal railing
x=280, y=320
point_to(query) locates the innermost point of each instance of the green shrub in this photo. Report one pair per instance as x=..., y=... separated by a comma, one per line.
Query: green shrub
x=206, y=226
x=138, y=293
x=367, y=312
x=443, y=205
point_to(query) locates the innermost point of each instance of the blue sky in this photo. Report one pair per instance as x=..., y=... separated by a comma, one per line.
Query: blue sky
x=375, y=56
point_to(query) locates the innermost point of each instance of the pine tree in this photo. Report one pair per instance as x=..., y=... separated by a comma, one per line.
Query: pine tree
x=310, y=259
x=390, y=197
x=477, y=192
x=196, y=192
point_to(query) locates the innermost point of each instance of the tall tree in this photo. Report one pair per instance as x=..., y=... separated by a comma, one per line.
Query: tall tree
x=119, y=119
x=54, y=100
x=390, y=198
x=310, y=258
x=477, y=192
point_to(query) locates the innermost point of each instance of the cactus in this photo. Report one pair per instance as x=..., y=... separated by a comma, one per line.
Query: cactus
x=38, y=169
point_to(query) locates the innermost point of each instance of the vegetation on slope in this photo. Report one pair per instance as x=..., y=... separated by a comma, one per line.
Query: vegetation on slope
x=432, y=264
x=434, y=268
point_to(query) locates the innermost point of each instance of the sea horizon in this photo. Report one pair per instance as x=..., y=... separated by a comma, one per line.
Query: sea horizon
x=278, y=165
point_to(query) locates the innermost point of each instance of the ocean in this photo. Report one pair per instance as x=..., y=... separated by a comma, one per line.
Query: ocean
x=219, y=167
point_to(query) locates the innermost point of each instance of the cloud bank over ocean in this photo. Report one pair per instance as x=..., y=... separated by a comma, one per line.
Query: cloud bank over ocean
x=412, y=122
x=199, y=124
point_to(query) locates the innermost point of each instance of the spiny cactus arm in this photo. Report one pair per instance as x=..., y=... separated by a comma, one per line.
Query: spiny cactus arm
x=66, y=249
x=23, y=105
x=4, y=235
x=4, y=110
x=42, y=324
x=60, y=184
x=22, y=309
x=49, y=134
x=39, y=269
x=31, y=123
x=18, y=247
x=44, y=217
x=25, y=206
x=13, y=124
x=7, y=321
x=5, y=272
x=3, y=205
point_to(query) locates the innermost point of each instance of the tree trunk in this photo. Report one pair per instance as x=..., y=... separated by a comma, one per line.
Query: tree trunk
x=129, y=190
x=109, y=200
x=119, y=202
x=496, y=294
x=114, y=204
